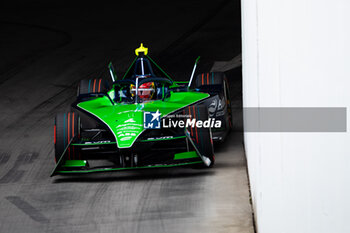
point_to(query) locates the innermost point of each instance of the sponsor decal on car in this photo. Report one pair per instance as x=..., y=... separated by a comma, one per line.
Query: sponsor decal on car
x=131, y=120
x=125, y=138
x=160, y=138
x=97, y=142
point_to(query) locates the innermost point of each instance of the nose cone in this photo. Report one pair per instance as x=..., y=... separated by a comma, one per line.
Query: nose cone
x=124, y=121
x=128, y=127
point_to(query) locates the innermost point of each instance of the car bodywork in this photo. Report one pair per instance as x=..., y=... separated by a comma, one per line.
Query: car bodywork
x=119, y=140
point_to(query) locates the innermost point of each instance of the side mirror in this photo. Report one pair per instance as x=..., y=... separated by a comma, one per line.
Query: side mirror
x=112, y=72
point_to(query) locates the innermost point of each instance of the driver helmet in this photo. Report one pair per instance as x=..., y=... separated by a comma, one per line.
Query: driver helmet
x=146, y=90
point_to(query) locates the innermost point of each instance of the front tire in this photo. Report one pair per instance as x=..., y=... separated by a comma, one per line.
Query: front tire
x=201, y=137
x=67, y=127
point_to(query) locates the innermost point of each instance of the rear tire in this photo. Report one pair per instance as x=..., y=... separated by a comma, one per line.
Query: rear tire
x=217, y=78
x=67, y=126
x=88, y=86
x=201, y=137
x=212, y=78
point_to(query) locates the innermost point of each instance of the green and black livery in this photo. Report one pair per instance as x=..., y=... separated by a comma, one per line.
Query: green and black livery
x=105, y=129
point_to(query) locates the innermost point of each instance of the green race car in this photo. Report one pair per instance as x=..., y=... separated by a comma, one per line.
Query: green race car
x=143, y=120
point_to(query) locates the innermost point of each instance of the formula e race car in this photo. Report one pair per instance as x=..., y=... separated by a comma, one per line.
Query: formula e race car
x=143, y=120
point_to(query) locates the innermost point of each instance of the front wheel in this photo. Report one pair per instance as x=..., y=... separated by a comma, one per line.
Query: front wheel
x=67, y=127
x=201, y=136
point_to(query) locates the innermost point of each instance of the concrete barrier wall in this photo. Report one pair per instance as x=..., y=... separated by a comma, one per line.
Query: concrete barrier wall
x=296, y=53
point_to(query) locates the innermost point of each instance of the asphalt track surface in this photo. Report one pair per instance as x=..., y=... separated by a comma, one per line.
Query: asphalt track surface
x=45, y=51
